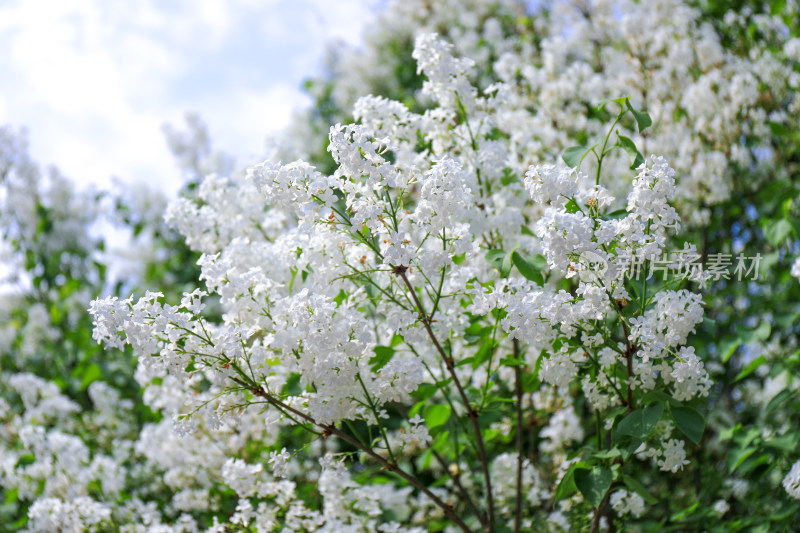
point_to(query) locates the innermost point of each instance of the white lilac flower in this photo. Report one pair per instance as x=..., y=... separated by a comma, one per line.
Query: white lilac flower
x=721, y=507
x=796, y=268
x=673, y=456
x=624, y=502
x=791, y=482
x=279, y=462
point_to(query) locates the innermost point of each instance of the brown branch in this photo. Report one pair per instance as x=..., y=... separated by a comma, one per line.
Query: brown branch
x=456, y=477
x=471, y=413
x=629, y=351
x=629, y=356
x=518, y=390
x=333, y=430
x=598, y=513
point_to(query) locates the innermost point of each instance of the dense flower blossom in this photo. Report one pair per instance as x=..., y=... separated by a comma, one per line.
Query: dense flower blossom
x=374, y=266
x=451, y=296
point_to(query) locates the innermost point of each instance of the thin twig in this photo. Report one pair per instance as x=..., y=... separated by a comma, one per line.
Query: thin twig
x=598, y=513
x=629, y=351
x=456, y=477
x=333, y=430
x=471, y=413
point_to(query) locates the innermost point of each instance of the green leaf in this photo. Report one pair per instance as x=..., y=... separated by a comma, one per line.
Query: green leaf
x=476, y=331
x=574, y=155
x=483, y=354
x=593, y=483
x=567, y=485
x=738, y=456
x=530, y=382
x=512, y=361
x=424, y=391
x=437, y=414
x=659, y=396
x=528, y=268
x=752, y=462
x=25, y=460
x=776, y=232
x=638, y=488
x=500, y=259
x=690, y=422
x=92, y=373
x=724, y=434
x=607, y=454
x=680, y=515
x=19, y=524
x=761, y=333
x=383, y=354
x=787, y=442
x=643, y=120
x=626, y=144
x=641, y=422
x=505, y=267
x=12, y=495
x=495, y=255
x=342, y=296
x=621, y=101
x=616, y=215
x=396, y=340
x=572, y=207
x=749, y=369
x=779, y=398
x=508, y=177
x=745, y=437
x=786, y=511
x=795, y=222
x=293, y=270
x=727, y=347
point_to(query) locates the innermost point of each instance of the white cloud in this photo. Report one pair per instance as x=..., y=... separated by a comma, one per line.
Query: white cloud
x=93, y=80
x=243, y=123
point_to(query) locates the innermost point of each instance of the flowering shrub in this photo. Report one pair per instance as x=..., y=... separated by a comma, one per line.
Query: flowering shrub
x=395, y=276
x=501, y=304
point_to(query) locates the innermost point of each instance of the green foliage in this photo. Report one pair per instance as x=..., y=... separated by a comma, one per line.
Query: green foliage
x=641, y=422
x=689, y=421
x=593, y=483
x=574, y=155
x=531, y=268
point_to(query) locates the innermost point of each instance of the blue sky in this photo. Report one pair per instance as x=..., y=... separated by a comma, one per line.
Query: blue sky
x=93, y=81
